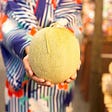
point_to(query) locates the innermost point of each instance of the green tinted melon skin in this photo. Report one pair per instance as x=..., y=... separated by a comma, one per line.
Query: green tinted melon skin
x=54, y=54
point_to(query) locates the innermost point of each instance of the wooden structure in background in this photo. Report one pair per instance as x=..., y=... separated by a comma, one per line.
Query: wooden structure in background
x=96, y=96
x=97, y=56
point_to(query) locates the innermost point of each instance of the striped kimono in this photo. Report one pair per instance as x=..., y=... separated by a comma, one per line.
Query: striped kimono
x=21, y=93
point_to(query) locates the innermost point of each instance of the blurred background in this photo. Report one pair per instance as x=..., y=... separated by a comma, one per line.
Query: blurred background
x=96, y=55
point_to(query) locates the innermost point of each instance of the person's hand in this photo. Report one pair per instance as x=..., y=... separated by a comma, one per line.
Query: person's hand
x=64, y=85
x=73, y=77
x=30, y=73
x=41, y=81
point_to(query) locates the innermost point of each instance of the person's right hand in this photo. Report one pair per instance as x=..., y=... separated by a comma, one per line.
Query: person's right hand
x=31, y=75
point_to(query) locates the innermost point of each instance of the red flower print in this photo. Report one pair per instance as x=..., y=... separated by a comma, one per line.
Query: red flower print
x=78, y=1
x=19, y=93
x=63, y=86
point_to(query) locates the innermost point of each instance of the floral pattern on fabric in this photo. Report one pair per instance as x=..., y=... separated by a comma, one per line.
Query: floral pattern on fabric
x=12, y=91
x=63, y=86
x=39, y=105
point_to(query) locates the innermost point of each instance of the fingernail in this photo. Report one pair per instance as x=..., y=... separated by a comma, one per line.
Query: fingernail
x=68, y=80
x=42, y=80
x=72, y=77
x=48, y=83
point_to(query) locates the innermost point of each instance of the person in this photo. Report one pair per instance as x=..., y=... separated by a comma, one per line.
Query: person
x=24, y=92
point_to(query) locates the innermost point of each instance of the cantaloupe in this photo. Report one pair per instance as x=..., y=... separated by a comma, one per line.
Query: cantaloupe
x=54, y=54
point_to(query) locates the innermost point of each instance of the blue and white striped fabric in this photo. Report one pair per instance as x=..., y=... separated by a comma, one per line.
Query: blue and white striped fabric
x=25, y=18
x=23, y=15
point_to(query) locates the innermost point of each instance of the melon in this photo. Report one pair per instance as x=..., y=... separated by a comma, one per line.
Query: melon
x=54, y=54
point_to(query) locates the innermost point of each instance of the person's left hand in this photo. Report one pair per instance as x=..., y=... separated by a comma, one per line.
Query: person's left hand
x=72, y=78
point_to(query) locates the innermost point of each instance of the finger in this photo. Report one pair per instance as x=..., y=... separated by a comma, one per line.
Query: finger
x=47, y=83
x=62, y=83
x=78, y=67
x=68, y=80
x=52, y=85
x=38, y=80
x=29, y=70
x=73, y=76
x=27, y=66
